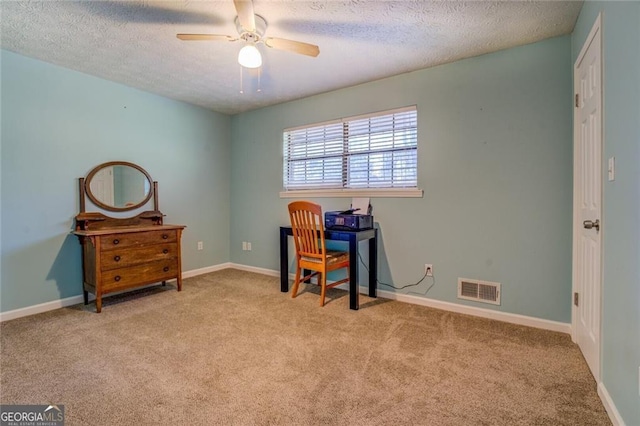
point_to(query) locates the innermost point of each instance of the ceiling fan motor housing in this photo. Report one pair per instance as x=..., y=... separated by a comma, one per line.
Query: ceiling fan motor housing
x=255, y=36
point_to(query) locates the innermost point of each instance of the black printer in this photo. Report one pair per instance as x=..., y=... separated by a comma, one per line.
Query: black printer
x=348, y=220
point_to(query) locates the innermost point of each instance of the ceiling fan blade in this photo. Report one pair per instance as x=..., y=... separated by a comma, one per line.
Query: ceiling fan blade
x=214, y=37
x=245, y=14
x=292, y=46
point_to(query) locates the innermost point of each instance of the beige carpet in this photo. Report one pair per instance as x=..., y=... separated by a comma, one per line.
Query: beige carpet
x=231, y=349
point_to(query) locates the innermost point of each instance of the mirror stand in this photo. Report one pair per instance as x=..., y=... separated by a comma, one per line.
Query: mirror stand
x=97, y=220
x=122, y=253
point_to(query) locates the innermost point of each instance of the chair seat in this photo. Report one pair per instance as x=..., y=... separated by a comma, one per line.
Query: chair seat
x=333, y=256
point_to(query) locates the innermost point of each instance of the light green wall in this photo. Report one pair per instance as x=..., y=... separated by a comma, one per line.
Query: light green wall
x=621, y=198
x=495, y=147
x=58, y=124
x=495, y=164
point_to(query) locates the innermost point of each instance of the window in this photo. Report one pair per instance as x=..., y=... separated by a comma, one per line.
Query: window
x=374, y=151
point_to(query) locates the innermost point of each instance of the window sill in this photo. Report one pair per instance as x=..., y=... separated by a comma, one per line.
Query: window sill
x=367, y=192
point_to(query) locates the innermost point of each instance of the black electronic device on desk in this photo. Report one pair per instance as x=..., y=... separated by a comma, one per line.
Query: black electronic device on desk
x=347, y=220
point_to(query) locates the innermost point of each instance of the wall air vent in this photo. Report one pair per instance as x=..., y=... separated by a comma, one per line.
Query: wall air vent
x=479, y=291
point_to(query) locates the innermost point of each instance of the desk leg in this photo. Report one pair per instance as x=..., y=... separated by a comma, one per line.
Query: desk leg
x=373, y=265
x=354, y=299
x=284, y=262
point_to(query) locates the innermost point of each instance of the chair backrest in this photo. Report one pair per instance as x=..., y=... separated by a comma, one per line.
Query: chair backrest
x=308, y=229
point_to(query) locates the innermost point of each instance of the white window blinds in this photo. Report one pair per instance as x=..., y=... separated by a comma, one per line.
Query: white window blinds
x=372, y=151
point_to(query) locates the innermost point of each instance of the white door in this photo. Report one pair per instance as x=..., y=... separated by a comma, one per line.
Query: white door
x=587, y=199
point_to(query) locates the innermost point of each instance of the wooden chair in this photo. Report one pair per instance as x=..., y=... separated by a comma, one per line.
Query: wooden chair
x=311, y=251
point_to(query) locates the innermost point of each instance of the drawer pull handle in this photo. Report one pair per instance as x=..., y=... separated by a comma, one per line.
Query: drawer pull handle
x=165, y=251
x=165, y=236
x=117, y=278
x=116, y=241
x=166, y=269
x=117, y=258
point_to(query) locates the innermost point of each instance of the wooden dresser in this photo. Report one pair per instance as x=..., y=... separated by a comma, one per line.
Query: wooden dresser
x=123, y=253
x=122, y=257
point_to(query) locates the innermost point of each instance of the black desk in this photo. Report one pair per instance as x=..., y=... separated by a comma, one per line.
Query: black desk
x=353, y=237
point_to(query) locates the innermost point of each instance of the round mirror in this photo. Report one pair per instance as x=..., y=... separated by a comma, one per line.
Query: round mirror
x=119, y=186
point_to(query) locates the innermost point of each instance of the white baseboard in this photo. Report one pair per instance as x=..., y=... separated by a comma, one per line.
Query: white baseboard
x=478, y=312
x=612, y=411
x=447, y=306
x=263, y=271
x=74, y=300
x=42, y=307
x=201, y=271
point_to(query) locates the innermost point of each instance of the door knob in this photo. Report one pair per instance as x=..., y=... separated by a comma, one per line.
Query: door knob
x=588, y=224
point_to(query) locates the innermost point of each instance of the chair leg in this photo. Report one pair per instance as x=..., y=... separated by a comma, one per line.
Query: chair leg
x=323, y=291
x=296, y=284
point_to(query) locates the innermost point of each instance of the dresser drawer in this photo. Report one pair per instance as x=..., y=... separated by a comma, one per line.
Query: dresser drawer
x=133, y=239
x=123, y=257
x=147, y=273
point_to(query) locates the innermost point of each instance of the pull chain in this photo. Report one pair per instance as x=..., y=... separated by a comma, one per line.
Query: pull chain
x=242, y=71
x=259, y=75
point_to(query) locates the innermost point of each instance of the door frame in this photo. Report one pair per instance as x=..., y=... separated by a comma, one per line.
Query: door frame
x=596, y=30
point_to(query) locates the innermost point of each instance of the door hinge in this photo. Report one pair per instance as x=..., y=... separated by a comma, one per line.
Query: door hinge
x=577, y=100
x=575, y=299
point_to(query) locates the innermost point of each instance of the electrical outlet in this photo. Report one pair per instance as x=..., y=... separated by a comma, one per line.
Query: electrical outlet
x=249, y=245
x=200, y=245
x=428, y=269
x=244, y=245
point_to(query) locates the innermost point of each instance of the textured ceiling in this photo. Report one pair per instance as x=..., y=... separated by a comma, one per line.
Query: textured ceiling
x=134, y=42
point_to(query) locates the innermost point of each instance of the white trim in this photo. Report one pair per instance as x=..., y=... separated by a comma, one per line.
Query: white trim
x=263, y=271
x=206, y=270
x=365, y=192
x=38, y=309
x=74, y=300
x=447, y=306
x=544, y=324
x=612, y=411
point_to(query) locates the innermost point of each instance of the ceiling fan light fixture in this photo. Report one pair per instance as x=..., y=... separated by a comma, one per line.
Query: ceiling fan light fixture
x=250, y=57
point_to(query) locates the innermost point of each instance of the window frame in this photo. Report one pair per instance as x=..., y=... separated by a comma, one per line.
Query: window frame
x=390, y=192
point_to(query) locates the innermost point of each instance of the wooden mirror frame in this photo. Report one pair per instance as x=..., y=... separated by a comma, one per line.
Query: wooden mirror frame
x=85, y=188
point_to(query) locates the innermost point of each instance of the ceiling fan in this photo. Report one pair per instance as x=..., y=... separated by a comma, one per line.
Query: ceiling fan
x=251, y=28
